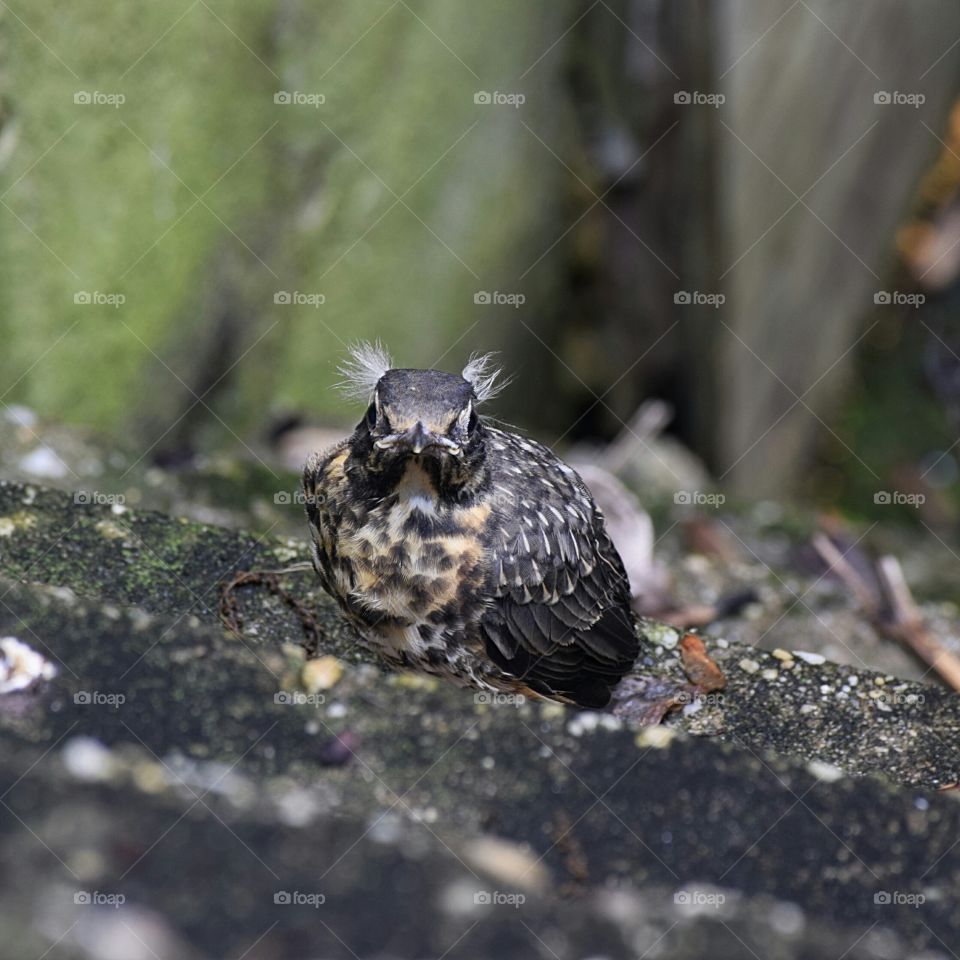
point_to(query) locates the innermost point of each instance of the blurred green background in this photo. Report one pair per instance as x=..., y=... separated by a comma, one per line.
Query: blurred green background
x=203, y=202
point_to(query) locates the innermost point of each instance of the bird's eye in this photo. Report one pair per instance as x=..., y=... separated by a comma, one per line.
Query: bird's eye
x=372, y=416
x=472, y=421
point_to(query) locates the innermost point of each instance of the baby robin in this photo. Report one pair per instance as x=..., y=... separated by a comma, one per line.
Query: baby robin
x=464, y=550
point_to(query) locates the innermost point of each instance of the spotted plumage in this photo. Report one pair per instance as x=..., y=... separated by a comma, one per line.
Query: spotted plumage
x=463, y=550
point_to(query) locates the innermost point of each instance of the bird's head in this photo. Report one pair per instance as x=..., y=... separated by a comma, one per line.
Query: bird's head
x=427, y=416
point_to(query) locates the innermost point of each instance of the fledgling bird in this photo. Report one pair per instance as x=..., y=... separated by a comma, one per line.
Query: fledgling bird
x=463, y=550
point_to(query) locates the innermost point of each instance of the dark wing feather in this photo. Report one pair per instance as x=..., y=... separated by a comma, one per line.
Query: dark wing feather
x=323, y=482
x=561, y=616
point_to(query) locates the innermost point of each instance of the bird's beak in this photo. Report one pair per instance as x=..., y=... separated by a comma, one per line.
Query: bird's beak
x=418, y=439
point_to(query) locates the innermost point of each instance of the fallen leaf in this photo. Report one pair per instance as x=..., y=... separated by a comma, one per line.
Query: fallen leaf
x=699, y=665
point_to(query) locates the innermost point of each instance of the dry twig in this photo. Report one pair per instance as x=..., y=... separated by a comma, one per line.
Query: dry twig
x=891, y=609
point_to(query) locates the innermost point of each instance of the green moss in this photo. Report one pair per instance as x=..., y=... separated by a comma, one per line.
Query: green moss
x=199, y=198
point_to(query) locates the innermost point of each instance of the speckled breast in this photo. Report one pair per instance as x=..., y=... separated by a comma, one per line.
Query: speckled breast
x=418, y=568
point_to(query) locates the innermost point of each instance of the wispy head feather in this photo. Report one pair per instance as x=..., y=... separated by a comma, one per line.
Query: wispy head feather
x=361, y=373
x=484, y=375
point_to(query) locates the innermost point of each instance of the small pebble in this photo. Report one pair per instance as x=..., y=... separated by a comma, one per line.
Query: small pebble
x=87, y=759
x=43, y=462
x=297, y=808
x=665, y=637
x=813, y=658
x=787, y=919
x=749, y=666
x=513, y=864
x=827, y=772
x=21, y=665
x=582, y=723
x=110, y=530
x=770, y=674
x=321, y=674
x=150, y=777
x=657, y=737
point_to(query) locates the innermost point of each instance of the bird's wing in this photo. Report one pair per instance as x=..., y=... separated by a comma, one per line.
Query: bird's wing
x=560, y=618
x=323, y=482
